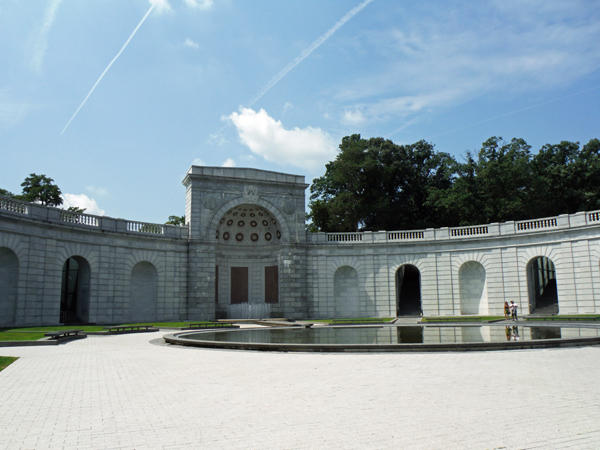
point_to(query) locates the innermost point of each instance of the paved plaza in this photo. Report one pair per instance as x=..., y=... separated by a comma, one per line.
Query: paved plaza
x=123, y=392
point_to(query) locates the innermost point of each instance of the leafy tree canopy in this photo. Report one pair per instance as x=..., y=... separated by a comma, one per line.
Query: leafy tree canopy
x=176, y=220
x=374, y=184
x=40, y=189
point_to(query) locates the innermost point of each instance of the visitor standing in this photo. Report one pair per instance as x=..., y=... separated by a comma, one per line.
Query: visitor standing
x=506, y=311
x=513, y=310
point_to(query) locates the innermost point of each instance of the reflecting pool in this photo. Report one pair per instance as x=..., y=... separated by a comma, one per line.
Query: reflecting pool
x=391, y=335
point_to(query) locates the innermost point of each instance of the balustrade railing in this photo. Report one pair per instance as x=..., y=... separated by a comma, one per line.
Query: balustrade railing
x=344, y=237
x=594, y=217
x=477, y=230
x=79, y=218
x=405, y=235
x=538, y=224
x=12, y=205
x=141, y=227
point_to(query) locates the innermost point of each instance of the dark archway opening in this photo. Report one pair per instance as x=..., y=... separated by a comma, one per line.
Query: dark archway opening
x=408, y=291
x=75, y=291
x=543, y=291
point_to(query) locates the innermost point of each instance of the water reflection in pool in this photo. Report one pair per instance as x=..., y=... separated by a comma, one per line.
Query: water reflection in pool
x=391, y=335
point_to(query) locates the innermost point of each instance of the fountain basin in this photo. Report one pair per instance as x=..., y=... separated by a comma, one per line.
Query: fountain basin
x=391, y=338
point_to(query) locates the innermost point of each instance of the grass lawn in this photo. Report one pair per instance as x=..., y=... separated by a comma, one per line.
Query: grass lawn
x=364, y=319
x=567, y=317
x=461, y=318
x=20, y=336
x=6, y=361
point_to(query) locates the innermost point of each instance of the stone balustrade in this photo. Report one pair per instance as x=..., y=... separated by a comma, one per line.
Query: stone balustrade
x=562, y=222
x=34, y=211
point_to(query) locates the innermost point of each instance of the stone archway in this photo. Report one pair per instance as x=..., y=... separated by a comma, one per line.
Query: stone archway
x=345, y=292
x=472, y=288
x=541, y=286
x=75, y=291
x=143, y=298
x=9, y=278
x=408, y=291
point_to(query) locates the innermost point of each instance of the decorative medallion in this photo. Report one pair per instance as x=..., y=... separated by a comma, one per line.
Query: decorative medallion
x=288, y=206
x=253, y=223
x=241, y=223
x=252, y=214
x=274, y=221
x=243, y=214
x=254, y=237
x=235, y=213
x=239, y=237
x=229, y=222
x=211, y=201
x=226, y=236
x=250, y=193
x=217, y=236
x=265, y=223
x=278, y=234
x=260, y=214
x=268, y=236
x=222, y=220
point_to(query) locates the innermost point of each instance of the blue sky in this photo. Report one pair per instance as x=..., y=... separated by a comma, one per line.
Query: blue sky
x=275, y=85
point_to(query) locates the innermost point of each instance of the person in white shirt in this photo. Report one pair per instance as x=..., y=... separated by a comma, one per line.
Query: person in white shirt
x=513, y=310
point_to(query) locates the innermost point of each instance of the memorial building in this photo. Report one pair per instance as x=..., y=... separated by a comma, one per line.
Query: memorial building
x=244, y=252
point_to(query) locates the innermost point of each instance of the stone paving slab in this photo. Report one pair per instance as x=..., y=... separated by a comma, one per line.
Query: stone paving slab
x=122, y=392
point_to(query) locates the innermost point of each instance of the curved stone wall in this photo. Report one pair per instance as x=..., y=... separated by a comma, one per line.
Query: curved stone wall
x=138, y=272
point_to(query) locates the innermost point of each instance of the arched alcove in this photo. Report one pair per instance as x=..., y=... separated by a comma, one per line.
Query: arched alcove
x=345, y=292
x=143, y=297
x=408, y=291
x=472, y=288
x=541, y=286
x=9, y=277
x=75, y=291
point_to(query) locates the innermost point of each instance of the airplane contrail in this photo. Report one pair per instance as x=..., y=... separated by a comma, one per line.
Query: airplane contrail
x=108, y=67
x=516, y=111
x=309, y=50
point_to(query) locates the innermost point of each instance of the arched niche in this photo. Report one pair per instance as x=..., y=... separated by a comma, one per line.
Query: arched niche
x=75, y=291
x=541, y=286
x=9, y=278
x=143, y=296
x=345, y=292
x=408, y=291
x=472, y=288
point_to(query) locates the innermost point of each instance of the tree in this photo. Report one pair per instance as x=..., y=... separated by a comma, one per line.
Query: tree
x=76, y=210
x=5, y=193
x=375, y=184
x=176, y=220
x=494, y=187
x=40, y=189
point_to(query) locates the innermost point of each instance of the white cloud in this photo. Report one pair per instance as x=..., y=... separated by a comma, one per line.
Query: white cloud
x=308, y=148
x=198, y=162
x=12, y=111
x=160, y=6
x=82, y=201
x=229, y=163
x=97, y=190
x=198, y=4
x=509, y=47
x=217, y=139
x=189, y=43
x=353, y=117
x=288, y=105
x=41, y=42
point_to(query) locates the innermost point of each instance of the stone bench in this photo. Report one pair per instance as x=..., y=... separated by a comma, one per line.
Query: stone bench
x=120, y=329
x=199, y=326
x=65, y=335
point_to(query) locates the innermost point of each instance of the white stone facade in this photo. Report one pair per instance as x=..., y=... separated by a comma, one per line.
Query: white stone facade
x=131, y=271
